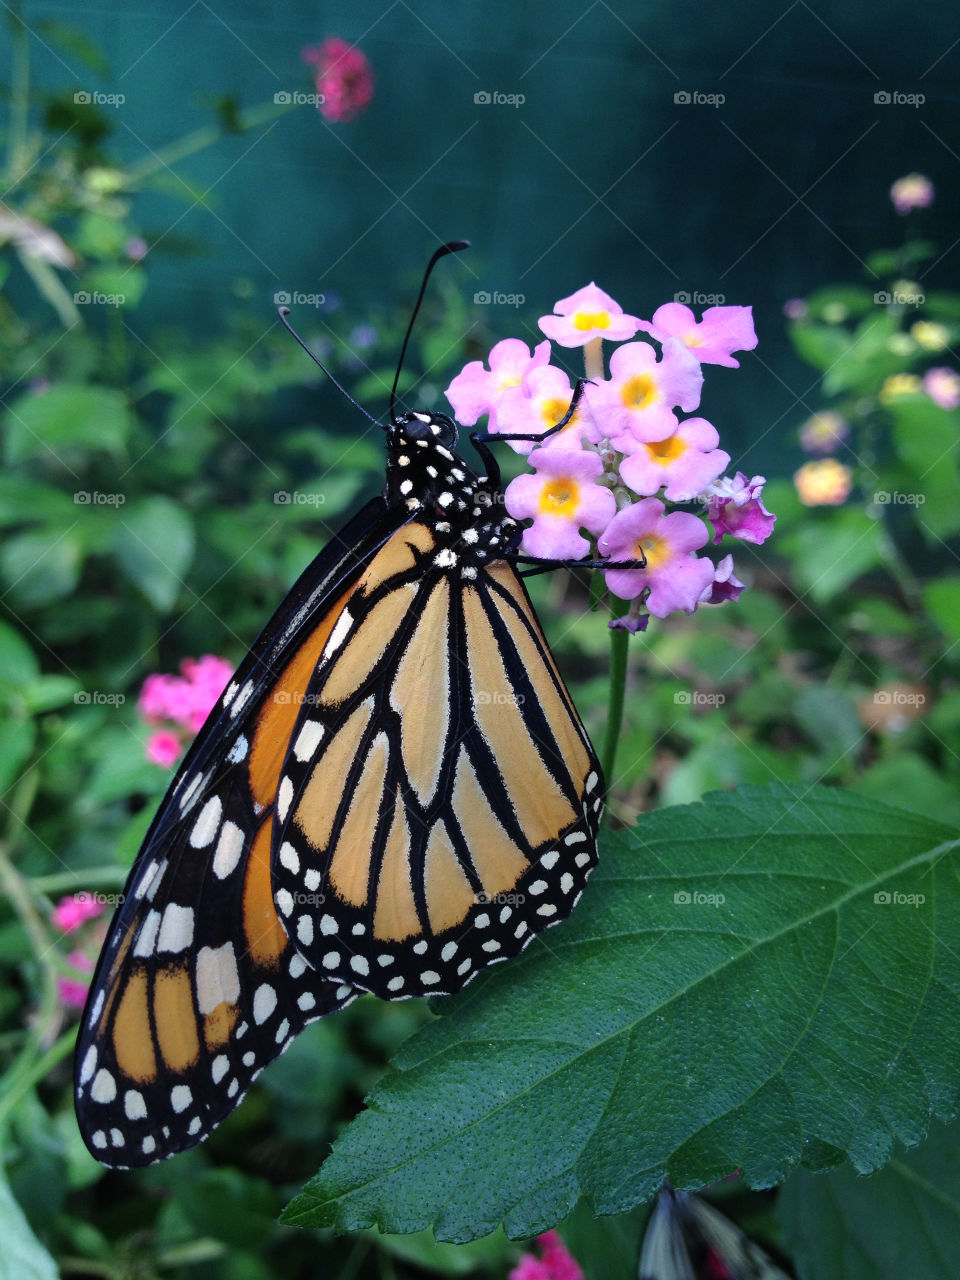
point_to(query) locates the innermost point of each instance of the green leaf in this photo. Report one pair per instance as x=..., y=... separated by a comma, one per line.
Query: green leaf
x=656, y=1034
x=18, y=663
x=831, y=550
x=942, y=599
x=422, y=1250
x=155, y=544
x=65, y=419
x=916, y=784
x=22, y=1257
x=900, y=1222
x=41, y=566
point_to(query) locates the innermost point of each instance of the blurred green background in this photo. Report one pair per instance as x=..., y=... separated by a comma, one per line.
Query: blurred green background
x=186, y=408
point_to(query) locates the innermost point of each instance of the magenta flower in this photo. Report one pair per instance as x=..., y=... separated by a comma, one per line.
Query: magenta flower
x=556, y=1262
x=587, y=314
x=342, y=76
x=686, y=462
x=676, y=577
x=735, y=506
x=725, y=585
x=712, y=339
x=636, y=403
x=912, y=192
x=476, y=390
x=942, y=385
x=562, y=497
x=539, y=403
x=163, y=748
x=72, y=912
x=73, y=991
x=795, y=308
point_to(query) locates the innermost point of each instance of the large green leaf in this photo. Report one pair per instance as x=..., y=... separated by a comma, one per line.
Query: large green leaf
x=22, y=1257
x=903, y=1221
x=68, y=417
x=155, y=542
x=666, y=1030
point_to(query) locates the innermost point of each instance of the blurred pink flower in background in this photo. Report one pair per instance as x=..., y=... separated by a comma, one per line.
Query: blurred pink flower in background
x=72, y=912
x=822, y=432
x=186, y=700
x=942, y=385
x=73, y=991
x=912, y=192
x=556, y=1262
x=342, y=77
x=823, y=484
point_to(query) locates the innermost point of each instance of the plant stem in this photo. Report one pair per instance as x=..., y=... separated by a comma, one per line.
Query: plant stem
x=593, y=359
x=196, y=141
x=619, y=647
x=64, y=881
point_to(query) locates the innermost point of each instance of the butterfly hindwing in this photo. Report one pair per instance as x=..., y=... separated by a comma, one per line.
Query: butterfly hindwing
x=198, y=986
x=439, y=803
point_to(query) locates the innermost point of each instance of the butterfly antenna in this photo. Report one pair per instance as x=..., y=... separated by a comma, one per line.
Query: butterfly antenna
x=452, y=246
x=283, y=312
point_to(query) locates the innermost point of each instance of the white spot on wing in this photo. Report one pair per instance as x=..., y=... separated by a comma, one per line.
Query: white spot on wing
x=181, y=1096
x=176, y=929
x=308, y=739
x=218, y=978
x=339, y=633
x=264, y=1002
x=284, y=796
x=104, y=1087
x=205, y=827
x=147, y=937
x=134, y=1105
x=229, y=848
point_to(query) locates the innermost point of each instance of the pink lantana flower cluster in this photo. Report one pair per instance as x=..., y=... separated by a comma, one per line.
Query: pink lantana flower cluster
x=183, y=701
x=607, y=484
x=69, y=916
x=554, y=1263
x=342, y=78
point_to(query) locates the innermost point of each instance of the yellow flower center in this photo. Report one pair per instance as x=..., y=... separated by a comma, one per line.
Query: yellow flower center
x=560, y=496
x=640, y=391
x=655, y=550
x=667, y=450
x=505, y=380
x=552, y=411
x=584, y=320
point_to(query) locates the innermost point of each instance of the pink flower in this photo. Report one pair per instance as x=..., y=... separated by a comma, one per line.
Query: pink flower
x=712, y=339
x=725, y=585
x=73, y=991
x=136, y=248
x=735, y=506
x=556, y=1262
x=685, y=462
x=826, y=483
x=342, y=77
x=675, y=576
x=476, y=390
x=587, y=314
x=822, y=432
x=912, y=192
x=562, y=497
x=70, y=913
x=795, y=308
x=163, y=748
x=539, y=403
x=942, y=385
x=636, y=403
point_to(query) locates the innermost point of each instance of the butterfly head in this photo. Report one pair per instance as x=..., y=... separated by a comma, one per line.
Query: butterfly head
x=435, y=428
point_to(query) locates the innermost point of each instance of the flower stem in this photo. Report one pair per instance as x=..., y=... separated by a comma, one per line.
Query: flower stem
x=619, y=645
x=593, y=358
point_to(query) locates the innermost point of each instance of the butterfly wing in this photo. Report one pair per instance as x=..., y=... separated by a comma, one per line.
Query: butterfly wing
x=440, y=801
x=687, y=1238
x=198, y=985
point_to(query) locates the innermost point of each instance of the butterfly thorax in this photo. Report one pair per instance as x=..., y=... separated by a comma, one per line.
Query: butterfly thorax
x=464, y=510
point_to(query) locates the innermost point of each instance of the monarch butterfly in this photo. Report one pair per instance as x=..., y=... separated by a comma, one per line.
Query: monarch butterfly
x=688, y=1239
x=394, y=792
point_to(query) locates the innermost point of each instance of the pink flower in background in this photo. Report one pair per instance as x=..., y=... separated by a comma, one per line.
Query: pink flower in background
x=73, y=991
x=912, y=192
x=795, y=308
x=136, y=249
x=186, y=700
x=685, y=462
x=822, y=432
x=735, y=506
x=72, y=912
x=636, y=403
x=823, y=484
x=676, y=576
x=942, y=385
x=711, y=339
x=342, y=76
x=477, y=390
x=561, y=497
x=556, y=1262
x=587, y=314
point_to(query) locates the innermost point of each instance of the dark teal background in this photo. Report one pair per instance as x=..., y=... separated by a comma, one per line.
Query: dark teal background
x=598, y=175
